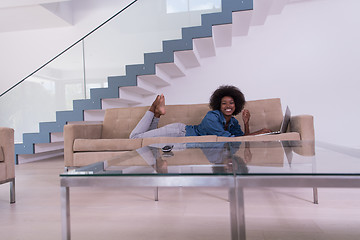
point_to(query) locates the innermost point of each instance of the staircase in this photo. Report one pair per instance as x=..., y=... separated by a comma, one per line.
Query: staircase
x=143, y=81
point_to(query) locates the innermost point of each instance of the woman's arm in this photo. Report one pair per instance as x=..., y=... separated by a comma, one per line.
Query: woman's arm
x=246, y=119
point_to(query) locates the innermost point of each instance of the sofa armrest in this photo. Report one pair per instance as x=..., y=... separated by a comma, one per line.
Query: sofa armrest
x=303, y=124
x=7, y=151
x=74, y=131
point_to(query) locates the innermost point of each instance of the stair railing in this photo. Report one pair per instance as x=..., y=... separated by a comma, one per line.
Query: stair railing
x=138, y=28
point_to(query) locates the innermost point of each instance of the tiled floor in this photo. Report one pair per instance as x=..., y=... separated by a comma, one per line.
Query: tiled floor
x=181, y=213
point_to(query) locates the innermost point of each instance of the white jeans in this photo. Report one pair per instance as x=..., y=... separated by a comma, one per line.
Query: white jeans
x=147, y=127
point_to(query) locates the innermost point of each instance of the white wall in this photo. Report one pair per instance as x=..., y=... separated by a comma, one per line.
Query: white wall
x=307, y=56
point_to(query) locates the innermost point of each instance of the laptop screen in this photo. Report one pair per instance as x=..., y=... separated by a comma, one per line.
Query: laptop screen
x=286, y=120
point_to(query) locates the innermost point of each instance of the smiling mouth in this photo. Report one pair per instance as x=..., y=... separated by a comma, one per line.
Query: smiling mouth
x=228, y=110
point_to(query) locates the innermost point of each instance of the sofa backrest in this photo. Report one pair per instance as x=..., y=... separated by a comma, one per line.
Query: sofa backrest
x=265, y=113
x=119, y=122
x=191, y=114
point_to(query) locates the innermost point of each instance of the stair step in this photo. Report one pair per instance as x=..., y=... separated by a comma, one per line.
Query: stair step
x=261, y=11
x=88, y=122
x=205, y=47
x=47, y=147
x=222, y=35
x=118, y=103
x=57, y=137
x=277, y=7
x=171, y=69
x=241, y=23
x=132, y=95
x=157, y=80
x=188, y=58
x=92, y=116
x=143, y=88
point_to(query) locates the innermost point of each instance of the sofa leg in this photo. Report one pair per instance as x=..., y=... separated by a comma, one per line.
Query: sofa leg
x=315, y=193
x=156, y=193
x=12, y=191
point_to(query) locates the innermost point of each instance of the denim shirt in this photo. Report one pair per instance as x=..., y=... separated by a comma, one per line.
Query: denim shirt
x=214, y=124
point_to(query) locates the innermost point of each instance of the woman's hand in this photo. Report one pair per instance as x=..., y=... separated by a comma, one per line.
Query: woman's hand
x=264, y=130
x=246, y=116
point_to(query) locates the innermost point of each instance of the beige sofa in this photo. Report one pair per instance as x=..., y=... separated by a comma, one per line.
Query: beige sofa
x=88, y=143
x=7, y=164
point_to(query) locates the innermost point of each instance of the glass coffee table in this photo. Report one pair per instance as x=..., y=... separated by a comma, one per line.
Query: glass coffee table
x=230, y=165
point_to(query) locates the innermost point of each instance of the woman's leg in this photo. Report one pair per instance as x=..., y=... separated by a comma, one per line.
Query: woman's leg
x=170, y=130
x=147, y=122
x=147, y=126
x=151, y=118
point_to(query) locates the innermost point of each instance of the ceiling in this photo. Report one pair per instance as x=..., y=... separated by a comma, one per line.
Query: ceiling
x=20, y=15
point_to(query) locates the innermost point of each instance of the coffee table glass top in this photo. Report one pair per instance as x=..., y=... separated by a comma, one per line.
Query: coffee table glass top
x=227, y=158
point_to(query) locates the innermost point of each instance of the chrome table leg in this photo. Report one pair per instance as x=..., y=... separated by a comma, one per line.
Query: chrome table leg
x=240, y=213
x=233, y=214
x=316, y=197
x=65, y=213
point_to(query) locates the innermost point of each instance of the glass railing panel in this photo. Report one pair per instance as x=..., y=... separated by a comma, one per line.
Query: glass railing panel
x=140, y=29
x=122, y=41
x=37, y=99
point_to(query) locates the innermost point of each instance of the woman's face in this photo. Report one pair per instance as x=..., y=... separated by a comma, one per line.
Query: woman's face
x=227, y=106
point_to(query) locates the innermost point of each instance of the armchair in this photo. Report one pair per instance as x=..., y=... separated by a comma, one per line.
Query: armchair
x=7, y=164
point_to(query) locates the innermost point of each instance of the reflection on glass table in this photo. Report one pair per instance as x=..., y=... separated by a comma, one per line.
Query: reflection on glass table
x=227, y=158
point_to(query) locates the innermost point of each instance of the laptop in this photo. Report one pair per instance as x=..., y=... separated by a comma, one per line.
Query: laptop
x=284, y=124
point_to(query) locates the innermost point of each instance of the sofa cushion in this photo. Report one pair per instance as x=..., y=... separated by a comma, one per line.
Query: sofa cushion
x=266, y=113
x=95, y=145
x=208, y=138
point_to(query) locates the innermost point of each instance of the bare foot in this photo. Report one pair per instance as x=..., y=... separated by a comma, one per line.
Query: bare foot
x=160, y=108
x=154, y=104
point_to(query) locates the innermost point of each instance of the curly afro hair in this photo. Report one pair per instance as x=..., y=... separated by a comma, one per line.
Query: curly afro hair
x=230, y=91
